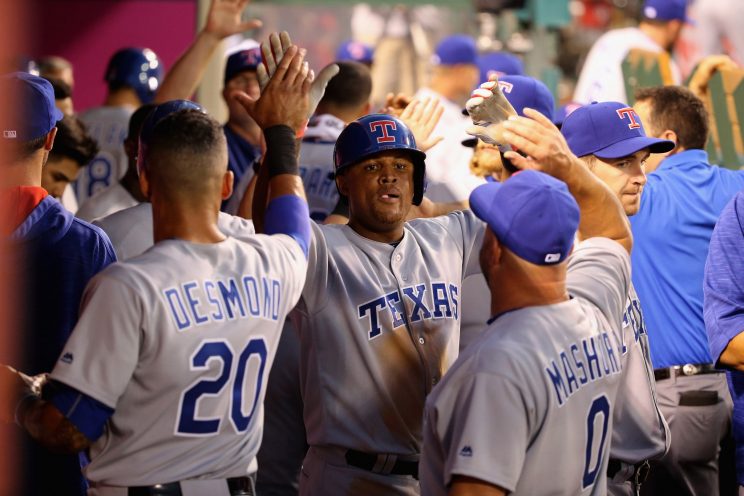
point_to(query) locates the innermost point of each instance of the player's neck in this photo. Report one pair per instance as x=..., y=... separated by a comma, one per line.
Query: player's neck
x=26, y=172
x=392, y=236
x=187, y=222
x=656, y=32
x=534, y=290
x=130, y=182
x=124, y=97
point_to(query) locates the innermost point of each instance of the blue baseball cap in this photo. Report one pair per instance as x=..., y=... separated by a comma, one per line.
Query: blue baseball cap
x=531, y=213
x=355, y=51
x=666, y=10
x=500, y=64
x=35, y=114
x=609, y=130
x=564, y=111
x=456, y=49
x=244, y=57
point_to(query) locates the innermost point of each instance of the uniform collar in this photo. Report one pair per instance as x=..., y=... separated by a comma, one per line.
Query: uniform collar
x=694, y=156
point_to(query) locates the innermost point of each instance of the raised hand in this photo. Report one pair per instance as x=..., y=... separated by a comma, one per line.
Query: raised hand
x=225, y=18
x=489, y=109
x=541, y=145
x=286, y=98
x=396, y=104
x=274, y=50
x=421, y=117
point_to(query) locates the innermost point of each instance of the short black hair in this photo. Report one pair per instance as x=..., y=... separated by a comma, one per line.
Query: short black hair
x=186, y=152
x=73, y=141
x=137, y=119
x=676, y=108
x=350, y=88
x=61, y=89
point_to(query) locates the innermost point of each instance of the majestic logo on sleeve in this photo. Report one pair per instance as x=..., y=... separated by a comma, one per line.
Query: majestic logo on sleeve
x=629, y=113
x=506, y=87
x=383, y=126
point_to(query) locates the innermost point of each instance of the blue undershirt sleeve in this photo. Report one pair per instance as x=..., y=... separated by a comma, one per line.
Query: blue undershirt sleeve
x=88, y=415
x=289, y=214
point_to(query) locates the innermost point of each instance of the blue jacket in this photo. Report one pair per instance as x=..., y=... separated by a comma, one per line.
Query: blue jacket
x=60, y=254
x=680, y=205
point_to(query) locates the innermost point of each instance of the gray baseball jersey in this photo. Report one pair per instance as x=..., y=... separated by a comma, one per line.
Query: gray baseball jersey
x=528, y=406
x=379, y=325
x=106, y=202
x=130, y=230
x=640, y=431
x=109, y=127
x=180, y=341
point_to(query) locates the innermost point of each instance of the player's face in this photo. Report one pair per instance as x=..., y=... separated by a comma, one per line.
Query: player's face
x=246, y=81
x=57, y=174
x=488, y=160
x=380, y=190
x=625, y=177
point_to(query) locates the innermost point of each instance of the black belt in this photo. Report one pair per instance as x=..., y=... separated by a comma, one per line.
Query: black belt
x=687, y=369
x=238, y=486
x=640, y=471
x=378, y=463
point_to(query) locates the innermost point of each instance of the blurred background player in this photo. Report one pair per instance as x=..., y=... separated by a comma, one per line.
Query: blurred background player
x=73, y=149
x=56, y=67
x=499, y=64
x=601, y=78
x=355, y=51
x=454, y=75
x=133, y=76
x=58, y=254
x=125, y=192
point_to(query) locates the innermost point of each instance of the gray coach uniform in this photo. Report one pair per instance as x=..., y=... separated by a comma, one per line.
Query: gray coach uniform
x=379, y=326
x=528, y=406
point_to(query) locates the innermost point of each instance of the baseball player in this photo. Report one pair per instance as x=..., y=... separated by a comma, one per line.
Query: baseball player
x=537, y=390
x=610, y=139
x=383, y=295
x=132, y=75
x=125, y=192
x=191, y=352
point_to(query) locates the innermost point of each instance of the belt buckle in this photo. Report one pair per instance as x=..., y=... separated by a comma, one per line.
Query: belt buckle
x=641, y=473
x=690, y=369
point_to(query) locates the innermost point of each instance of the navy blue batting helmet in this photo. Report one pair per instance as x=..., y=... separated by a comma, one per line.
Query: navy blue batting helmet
x=153, y=118
x=137, y=68
x=377, y=133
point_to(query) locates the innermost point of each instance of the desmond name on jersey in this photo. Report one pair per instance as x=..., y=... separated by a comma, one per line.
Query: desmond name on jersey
x=581, y=364
x=198, y=302
x=435, y=301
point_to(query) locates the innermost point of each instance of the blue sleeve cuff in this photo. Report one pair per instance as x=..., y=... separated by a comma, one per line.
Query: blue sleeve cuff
x=289, y=214
x=88, y=415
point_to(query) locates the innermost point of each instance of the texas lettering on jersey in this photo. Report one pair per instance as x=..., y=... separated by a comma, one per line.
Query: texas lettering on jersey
x=198, y=302
x=582, y=363
x=438, y=300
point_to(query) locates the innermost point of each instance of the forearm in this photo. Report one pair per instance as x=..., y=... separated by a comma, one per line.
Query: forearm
x=733, y=355
x=602, y=214
x=50, y=428
x=184, y=77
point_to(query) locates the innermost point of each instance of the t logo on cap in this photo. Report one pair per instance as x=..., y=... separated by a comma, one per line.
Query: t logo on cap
x=505, y=87
x=631, y=114
x=383, y=125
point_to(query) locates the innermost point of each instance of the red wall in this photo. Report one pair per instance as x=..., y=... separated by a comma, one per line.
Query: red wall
x=87, y=32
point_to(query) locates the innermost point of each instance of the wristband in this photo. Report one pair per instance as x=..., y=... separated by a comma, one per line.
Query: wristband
x=281, y=153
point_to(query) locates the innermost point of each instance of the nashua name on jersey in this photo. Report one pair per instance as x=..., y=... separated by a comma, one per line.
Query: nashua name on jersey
x=410, y=304
x=581, y=363
x=199, y=302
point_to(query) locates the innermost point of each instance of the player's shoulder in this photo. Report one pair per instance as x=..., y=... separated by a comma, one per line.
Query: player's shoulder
x=235, y=226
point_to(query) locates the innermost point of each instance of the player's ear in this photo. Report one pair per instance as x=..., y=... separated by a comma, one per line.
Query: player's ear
x=343, y=188
x=144, y=183
x=49, y=139
x=227, y=184
x=670, y=135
